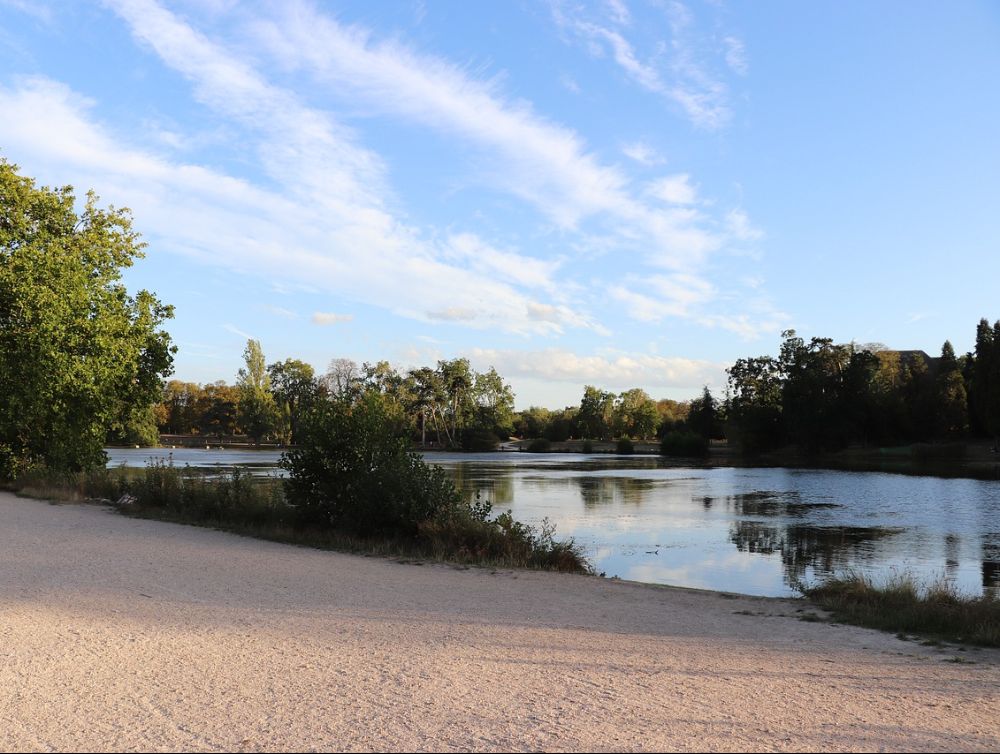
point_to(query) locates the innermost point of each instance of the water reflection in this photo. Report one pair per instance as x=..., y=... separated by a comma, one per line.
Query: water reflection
x=769, y=503
x=751, y=530
x=808, y=551
x=610, y=490
x=991, y=561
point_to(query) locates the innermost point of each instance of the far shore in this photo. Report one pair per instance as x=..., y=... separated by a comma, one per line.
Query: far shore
x=971, y=459
x=123, y=634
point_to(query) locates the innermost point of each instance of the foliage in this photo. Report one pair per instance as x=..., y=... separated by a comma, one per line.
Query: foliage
x=683, y=444
x=257, y=410
x=624, y=446
x=635, y=414
x=703, y=416
x=293, y=386
x=77, y=353
x=986, y=378
x=540, y=445
x=479, y=440
x=822, y=396
x=504, y=541
x=596, y=413
x=354, y=472
x=754, y=404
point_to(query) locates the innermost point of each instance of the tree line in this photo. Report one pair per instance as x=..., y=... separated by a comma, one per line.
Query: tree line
x=822, y=396
x=450, y=405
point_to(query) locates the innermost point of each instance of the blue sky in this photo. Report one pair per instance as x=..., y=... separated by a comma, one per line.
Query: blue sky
x=616, y=192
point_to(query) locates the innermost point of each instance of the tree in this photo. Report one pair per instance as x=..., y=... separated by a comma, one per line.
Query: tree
x=258, y=412
x=753, y=405
x=634, y=414
x=703, y=417
x=353, y=471
x=293, y=384
x=77, y=353
x=341, y=377
x=596, y=413
x=494, y=403
x=951, y=399
x=986, y=378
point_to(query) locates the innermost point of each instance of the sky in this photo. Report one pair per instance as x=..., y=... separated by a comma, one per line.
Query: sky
x=623, y=193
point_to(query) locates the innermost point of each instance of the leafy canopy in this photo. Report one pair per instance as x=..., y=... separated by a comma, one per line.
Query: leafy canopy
x=78, y=355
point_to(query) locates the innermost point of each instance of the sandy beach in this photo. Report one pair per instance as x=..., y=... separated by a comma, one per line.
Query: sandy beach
x=124, y=634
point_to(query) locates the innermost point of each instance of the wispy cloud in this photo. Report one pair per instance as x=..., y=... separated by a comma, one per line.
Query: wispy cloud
x=281, y=311
x=237, y=331
x=642, y=153
x=618, y=371
x=324, y=217
x=330, y=318
x=674, y=69
x=736, y=55
x=323, y=222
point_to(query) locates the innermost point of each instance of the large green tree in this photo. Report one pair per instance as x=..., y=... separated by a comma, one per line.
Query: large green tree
x=77, y=352
x=293, y=385
x=257, y=410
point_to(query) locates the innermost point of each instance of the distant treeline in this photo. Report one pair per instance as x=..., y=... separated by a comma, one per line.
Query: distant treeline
x=815, y=395
x=450, y=405
x=822, y=396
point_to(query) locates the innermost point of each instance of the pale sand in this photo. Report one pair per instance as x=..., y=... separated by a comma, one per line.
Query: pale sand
x=124, y=634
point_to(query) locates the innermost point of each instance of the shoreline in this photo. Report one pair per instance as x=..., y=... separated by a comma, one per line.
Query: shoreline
x=972, y=459
x=126, y=634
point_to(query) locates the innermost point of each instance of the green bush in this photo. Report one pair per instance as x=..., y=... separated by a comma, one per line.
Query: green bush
x=901, y=604
x=502, y=541
x=354, y=472
x=540, y=445
x=685, y=444
x=479, y=440
x=625, y=446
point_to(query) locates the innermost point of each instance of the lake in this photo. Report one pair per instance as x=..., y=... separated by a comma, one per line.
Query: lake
x=758, y=531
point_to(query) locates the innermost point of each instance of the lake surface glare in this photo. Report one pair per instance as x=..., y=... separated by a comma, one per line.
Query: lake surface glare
x=758, y=531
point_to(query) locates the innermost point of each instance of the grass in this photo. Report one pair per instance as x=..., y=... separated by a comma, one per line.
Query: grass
x=254, y=506
x=903, y=606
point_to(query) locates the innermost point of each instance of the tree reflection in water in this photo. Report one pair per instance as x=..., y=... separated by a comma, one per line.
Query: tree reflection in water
x=602, y=490
x=827, y=550
x=991, y=562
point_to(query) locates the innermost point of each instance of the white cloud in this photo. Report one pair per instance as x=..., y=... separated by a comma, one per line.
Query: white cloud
x=665, y=296
x=738, y=226
x=642, y=153
x=329, y=318
x=736, y=56
x=236, y=331
x=680, y=77
x=618, y=11
x=617, y=371
x=281, y=311
x=323, y=224
x=542, y=162
x=673, y=189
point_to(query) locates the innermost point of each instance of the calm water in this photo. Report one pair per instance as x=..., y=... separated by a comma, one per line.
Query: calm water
x=750, y=530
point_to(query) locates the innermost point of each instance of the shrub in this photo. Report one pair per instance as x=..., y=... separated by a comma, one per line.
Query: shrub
x=625, y=446
x=587, y=447
x=502, y=541
x=540, y=445
x=479, y=440
x=902, y=605
x=683, y=444
x=353, y=471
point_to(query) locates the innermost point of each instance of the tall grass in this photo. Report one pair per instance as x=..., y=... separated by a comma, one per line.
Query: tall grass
x=256, y=506
x=903, y=605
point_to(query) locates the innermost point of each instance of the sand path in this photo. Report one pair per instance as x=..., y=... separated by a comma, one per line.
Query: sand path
x=123, y=634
